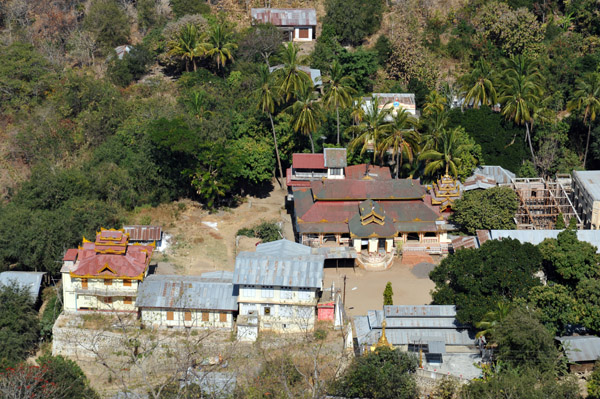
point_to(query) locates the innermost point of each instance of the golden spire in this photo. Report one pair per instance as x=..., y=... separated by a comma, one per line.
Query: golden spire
x=382, y=342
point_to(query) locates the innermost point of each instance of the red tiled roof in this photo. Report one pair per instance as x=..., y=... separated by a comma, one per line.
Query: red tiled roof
x=308, y=161
x=70, y=255
x=110, y=256
x=364, y=171
x=143, y=233
x=295, y=183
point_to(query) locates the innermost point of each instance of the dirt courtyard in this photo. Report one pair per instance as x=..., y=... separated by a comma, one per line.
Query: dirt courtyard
x=202, y=242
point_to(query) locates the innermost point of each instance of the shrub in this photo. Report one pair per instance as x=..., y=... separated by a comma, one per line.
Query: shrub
x=187, y=7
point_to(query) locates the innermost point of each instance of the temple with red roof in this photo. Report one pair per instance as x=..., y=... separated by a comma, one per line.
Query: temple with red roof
x=103, y=275
x=367, y=211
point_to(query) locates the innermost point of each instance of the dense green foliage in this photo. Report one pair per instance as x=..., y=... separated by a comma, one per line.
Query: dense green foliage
x=383, y=374
x=71, y=382
x=486, y=209
x=19, y=328
x=266, y=231
x=476, y=280
x=388, y=294
x=352, y=21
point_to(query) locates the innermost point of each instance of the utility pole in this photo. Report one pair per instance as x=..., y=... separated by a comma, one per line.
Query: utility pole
x=344, y=300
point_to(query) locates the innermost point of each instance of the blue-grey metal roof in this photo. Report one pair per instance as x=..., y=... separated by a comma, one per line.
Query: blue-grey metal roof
x=284, y=248
x=281, y=270
x=29, y=280
x=590, y=180
x=436, y=347
x=537, y=236
x=285, y=16
x=419, y=311
x=581, y=348
x=186, y=292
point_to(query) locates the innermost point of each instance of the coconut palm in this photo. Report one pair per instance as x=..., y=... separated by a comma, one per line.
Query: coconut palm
x=587, y=100
x=371, y=130
x=358, y=110
x=492, y=318
x=198, y=105
x=521, y=91
x=306, y=113
x=187, y=45
x=219, y=44
x=338, y=92
x=478, y=85
x=291, y=79
x=445, y=156
x=435, y=103
x=267, y=96
x=434, y=125
x=401, y=139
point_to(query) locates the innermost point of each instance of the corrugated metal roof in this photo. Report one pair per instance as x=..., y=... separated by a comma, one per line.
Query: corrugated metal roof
x=335, y=157
x=308, y=161
x=28, y=280
x=411, y=336
x=420, y=322
x=419, y=311
x=436, y=347
x=498, y=173
x=392, y=189
x=281, y=270
x=143, y=233
x=364, y=171
x=335, y=252
x=283, y=247
x=590, y=180
x=71, y=255
x=285, y=16
x=402, y=98
x=582, y=348
x=315, y=74
x=537, y=236
x=186, y=292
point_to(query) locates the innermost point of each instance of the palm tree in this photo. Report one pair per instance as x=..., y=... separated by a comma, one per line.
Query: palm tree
x=187, y=45
x=478, y=85
x=338, y=92
x=306, y=113
x=358, y=110
x=445, y=155
x=435, y=103
x=435, y=125
x=219, y=44
x=587, y=99
x=401, y=139
x=371, y=129
x=492, y=318
x=291, y=79
x=521, y=92
x=197, y=103
x=267, y=97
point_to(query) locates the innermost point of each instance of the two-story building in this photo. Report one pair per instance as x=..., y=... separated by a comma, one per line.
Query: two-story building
x=280, y=285
x=104, y=274
x=205, y=301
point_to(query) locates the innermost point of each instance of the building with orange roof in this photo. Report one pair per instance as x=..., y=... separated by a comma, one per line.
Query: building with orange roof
x=104, y=274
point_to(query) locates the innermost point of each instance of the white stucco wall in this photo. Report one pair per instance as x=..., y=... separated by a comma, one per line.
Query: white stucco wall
x=158, y=318
x=77, y=297
x=297, y=34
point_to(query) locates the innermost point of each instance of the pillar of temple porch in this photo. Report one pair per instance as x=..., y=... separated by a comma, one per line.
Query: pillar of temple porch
x=321, y=239
x=373, y=242
x=337, y=238
x=389, y=245
x=421, y=236
x=357, y=244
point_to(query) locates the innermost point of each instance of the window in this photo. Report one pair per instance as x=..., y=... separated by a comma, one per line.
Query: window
x=187, y=316
x=335, y=171
x=107, y=300
x=267, y=310
x=126, y=283
x=84, y=283
x=248, y=291
x=267, y=291
x=286, y=293
x=303, y=33
x=204, y=316
x=223, y=317
x=127, y=300
x=107, y=281
x=170, y=315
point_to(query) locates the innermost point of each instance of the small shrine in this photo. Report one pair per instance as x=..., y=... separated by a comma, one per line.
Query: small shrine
x=370, y=223
x=444, y=192
x=382, y=342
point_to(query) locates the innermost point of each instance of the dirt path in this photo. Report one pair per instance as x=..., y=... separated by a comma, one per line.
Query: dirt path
x=202, y=241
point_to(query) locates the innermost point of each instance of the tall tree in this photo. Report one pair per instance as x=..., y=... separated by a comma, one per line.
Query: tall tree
x=219, y=44
x=478, y=85
x=291, y=79
x=338, y=92
x=372, y=128
x=187, y=45
x=402, y=138
x=587, y=100
x=267, y=97
x=520, y=93
x=445, y=156
x=306, y=113
x=388, y=294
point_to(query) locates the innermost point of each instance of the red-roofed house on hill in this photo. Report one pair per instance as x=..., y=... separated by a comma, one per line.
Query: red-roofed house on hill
x=103, y=275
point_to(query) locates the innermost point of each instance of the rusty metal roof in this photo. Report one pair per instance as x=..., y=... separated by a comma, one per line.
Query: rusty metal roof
x=364, y=171
x=282, y=264
x=335, y=157
x=394, y=189
x=308, y=161
x=143, y=233
x=285, y=16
